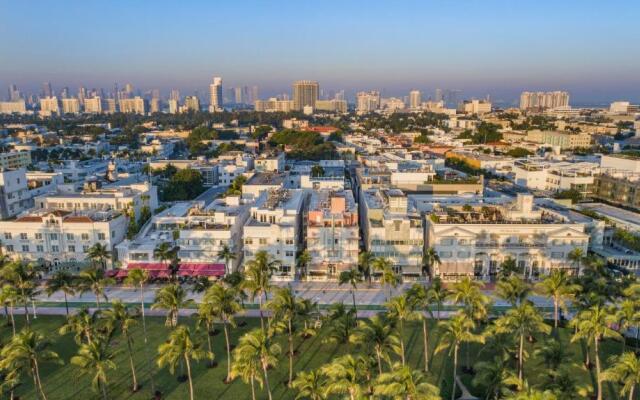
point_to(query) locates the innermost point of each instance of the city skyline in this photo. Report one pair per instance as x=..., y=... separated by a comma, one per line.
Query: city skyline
x=499, y=48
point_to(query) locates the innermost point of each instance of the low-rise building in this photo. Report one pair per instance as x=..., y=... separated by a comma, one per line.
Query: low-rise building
x=555, y=176
x=332, y=234
x=15, y=159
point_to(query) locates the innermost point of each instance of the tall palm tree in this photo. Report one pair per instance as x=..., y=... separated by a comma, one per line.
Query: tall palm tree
x=304, y=259
x=524, y=320
x=258, y=273
x=404, y=383
x=344, y=377
x=495, y=376
x=99, y=254
x=181, y=348
x=95, y=281
x=508, y=267
x=593, y=325
x=227, y=255
x=340, y=321
x=388, y=277
x=172, y=298
x=513, y=290
x=351, y=277
x=84, y=326
x=400, y=309
x=26, y=352
x=138, y=278
x=627, y=316
x=365, y=262
x=430, y=259
x=22, y=276
x=553, y=354
x=533, y=394
x=457, y=330
x=284, y=307
x=119, y=317
x=418, y=296
x=249, y=370
x=577, y=257
x=95, y=358
x=310, y=385
x=205, y=317
x=468, y=293
x=64, y=282
x=258, y=347
x=626, y=370
x=559, y=287
x=437, y=294
x=224, y=306
x=163, y=252
x=377, y=333
x=9, y=297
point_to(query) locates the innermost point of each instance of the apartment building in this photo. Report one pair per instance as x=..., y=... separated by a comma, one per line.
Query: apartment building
x=270, y=162
x=275, y=225
x=543, y=100
x=274, y=105
x=70, y=105
x=15, y=159
x=49, y=106
x=474, y=240
x=555, y=176
x=136, y=105
x=618, y=187
x=392, y=228
x=93, y=105
x=13, y=107
x=339, y=106
x=475, y=107
x=367, y=101
x=332, y=234
x=562, y=139
x=61, y=238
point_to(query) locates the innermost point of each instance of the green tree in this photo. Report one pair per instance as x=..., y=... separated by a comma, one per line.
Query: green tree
x=438, y=294
x=172, y=298
x=310, y=385
x=120, y=318
x=96, y=359
x=626, y=370
x=258, y=273
x=419, y=298
x=304, y=259
x=344, y=376
x=388, y=278
x=401, y=310
x=61, y=281
x=351, y=277
x=99, y=254
x=26, y=352
x=257, y=347
x=227, y=255
x=558, y=286
x=284, y=307
x=404, y=383
x=495, y=376
x=248, y=369
x=95, y=281
x=430, y=259
x=83, y=325
x=365, y=262
x=376, y=333
x=513, y=290
x=181, y=348
x=9, y=297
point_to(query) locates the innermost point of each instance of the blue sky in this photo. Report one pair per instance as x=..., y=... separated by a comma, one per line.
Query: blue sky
x=498, y=47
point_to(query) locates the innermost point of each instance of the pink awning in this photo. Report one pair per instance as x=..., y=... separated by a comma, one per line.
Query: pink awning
x=159, y=270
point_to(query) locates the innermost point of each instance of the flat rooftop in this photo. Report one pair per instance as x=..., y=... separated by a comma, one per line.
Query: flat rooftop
x=612, y=212
x=266, y=178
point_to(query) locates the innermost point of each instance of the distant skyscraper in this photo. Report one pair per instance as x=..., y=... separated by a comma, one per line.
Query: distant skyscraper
x=155, y=94
x=367, y=101
x=543, y=100
x=238, y=95
x=14, y=93
x=439, y=95
x=154, y=105
x=192, y=103
x=339, y=95
x=215, y=95
x=64, y=93
x=128, y=91
x=175, y=95
x=82, y=94
x=254, y=95
x=305, y=93
x=46, y=89
x=415, y=99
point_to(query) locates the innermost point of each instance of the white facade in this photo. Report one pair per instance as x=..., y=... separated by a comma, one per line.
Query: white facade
x=555, y=176
x=93, y=105
x=49, y=106
x=70, y=106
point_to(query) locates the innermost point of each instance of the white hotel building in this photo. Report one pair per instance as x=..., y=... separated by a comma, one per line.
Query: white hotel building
x=275, y=226
x=475, y=241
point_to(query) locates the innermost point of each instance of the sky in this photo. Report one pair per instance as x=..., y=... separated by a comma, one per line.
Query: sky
x=496, y=47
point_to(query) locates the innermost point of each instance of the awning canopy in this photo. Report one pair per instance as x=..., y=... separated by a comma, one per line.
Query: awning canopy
x=159, y=270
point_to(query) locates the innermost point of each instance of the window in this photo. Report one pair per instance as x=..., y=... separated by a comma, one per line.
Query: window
x=263, y=241
x=25, y=248
x=462, y=241
x=445, y=254
x=557, y=254
x=446, y=242
x=85, y=248
x=289, y=253
x=38, y=236
x=53, y=236
x=289, y=241
x=463, y=254
x=101, y=236
x=70, y=236
x=7, y=235
x=9, y=247
x=55, y=249
x=40, y=248
x=23, y=236
x=72, y=249
x=85, y=236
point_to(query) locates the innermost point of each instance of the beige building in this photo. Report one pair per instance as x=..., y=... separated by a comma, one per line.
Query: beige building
x=274, y=105
x=367, y=101
x=136, y=105
x=475, y=107
x=563, y=139
x=13, y=107
x=93, y=105
x=70, y=106
x=543, y=100
x=215, y=95
x=305, y=94
x=415, y=99
x=49, y=106
x=339, y=106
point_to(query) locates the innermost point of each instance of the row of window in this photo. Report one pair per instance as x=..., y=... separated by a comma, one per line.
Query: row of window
x=53, y=236
x=40, y=248
x=249, y=253
x=265, y=241
x=555, y=242
x=414, y=242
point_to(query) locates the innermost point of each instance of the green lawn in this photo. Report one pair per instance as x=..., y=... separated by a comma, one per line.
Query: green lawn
x=65, y=382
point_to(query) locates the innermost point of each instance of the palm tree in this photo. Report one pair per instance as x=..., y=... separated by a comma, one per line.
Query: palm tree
x=558, y=286
x=508, y=267
x=284, y=307
x=25, y=352
x=258, y=347
x=429, y=259
x=223, y=306
x=494, y=376
x=457, y=330
x=626, y=370
x=94, y=280
x=172, y=298
x=310, y=385
x=524, y=320
x=593, y=325
x=388, y=277
x=404, y=383
x=22, y=276
x=513, y=290
x=400, y=309
x=351, y=277
x=577, y=257
x=64, y=282
x=83, y=324
x=227, y=255
x=304, y=259
x=437, y=294
x=365, y=261
x=9, y=297
x=341, y=322
x=344, y=377
x=377, y=333
x=627, y=316
x=119, y=317
x=532, y=394
x=181, y=348
x=468, y=293
x=99, y=254
x=258, y=275
x=249, y=370
x=95, y=358
x=205, y=317
x=553, y=354
x=163, y=252
x=418, y=296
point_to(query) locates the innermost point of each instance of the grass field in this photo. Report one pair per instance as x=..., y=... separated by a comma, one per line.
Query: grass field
x=66, y=382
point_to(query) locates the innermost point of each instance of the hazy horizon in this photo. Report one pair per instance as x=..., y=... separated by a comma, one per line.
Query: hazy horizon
x=496, y=48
